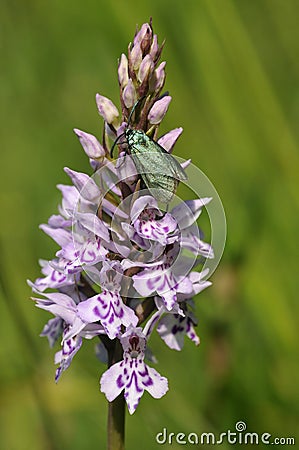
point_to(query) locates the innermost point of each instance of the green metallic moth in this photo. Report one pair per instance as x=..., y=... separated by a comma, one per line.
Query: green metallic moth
x=158, y=169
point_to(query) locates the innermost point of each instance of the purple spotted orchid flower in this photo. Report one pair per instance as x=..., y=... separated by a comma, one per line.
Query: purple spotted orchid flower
x=132, y=374
x=108, y=307
x=125, y=265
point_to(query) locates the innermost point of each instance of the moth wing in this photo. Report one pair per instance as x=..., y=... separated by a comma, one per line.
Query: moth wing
x=161, y=187
x=153, y=157
x=152, y=171
x=174, y=165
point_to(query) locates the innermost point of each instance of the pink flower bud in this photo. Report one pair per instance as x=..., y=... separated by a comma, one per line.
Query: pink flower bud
x=146, y=67
x=169, y=139
x=123, y=76
x=90, y=144
x=154, y=48
x=129, y=94
x=144, y=36
x=106, y=109
x=158, y=110
x=158, y=78
x=135, y=57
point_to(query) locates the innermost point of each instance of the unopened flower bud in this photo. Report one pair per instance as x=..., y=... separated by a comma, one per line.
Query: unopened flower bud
x=143, y=37
x=123, y=76
x=106, y=109
x=145, y=69
x=90, y=144
x=169, y=139
x=158, y=110
x=135, y=57
x=146, y=41
x=154, y=48
x=158, y=78
x=129, y=94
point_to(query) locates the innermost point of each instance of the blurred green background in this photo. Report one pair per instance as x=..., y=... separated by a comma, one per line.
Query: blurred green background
x=233, y=72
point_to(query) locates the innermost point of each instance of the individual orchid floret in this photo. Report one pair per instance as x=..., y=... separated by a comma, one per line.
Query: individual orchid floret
x=65, y=356
x=168, y=140
x=123, y=71
x=155, y=50
x=86, y=186
x=198, y=281
x=145, y=69
x=108, y=306
x=175, y=326
x=135, y=57
x=71, y=343
x=80, y=247
x=62, y=306
x=129, y=94
x=158, y=78
x=53, y=279
x=87, y=250
x=186, y=214
x=164, y=279
x=132, y=374
x=158, y=110
x=150, y=223
x=65, y=309
x=107, y=109
x=143, y=37
x=53, y=330
x=90, y=144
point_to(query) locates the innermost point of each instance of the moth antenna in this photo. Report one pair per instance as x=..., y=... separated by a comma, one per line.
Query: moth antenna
x=114, y=143
x=129, y=121
x=134, y=107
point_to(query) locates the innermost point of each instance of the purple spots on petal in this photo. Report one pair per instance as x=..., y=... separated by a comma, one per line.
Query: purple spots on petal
x=164, y=283
x=119, y=382
x=96, y=311
x=53, y=277
x=134, y=379
x=151, y=283
x=177, y=329
x=88, y=256
x=111, y=319
x=148, y=382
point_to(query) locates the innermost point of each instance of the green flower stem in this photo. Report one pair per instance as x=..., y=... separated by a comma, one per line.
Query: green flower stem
x=116, y=409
